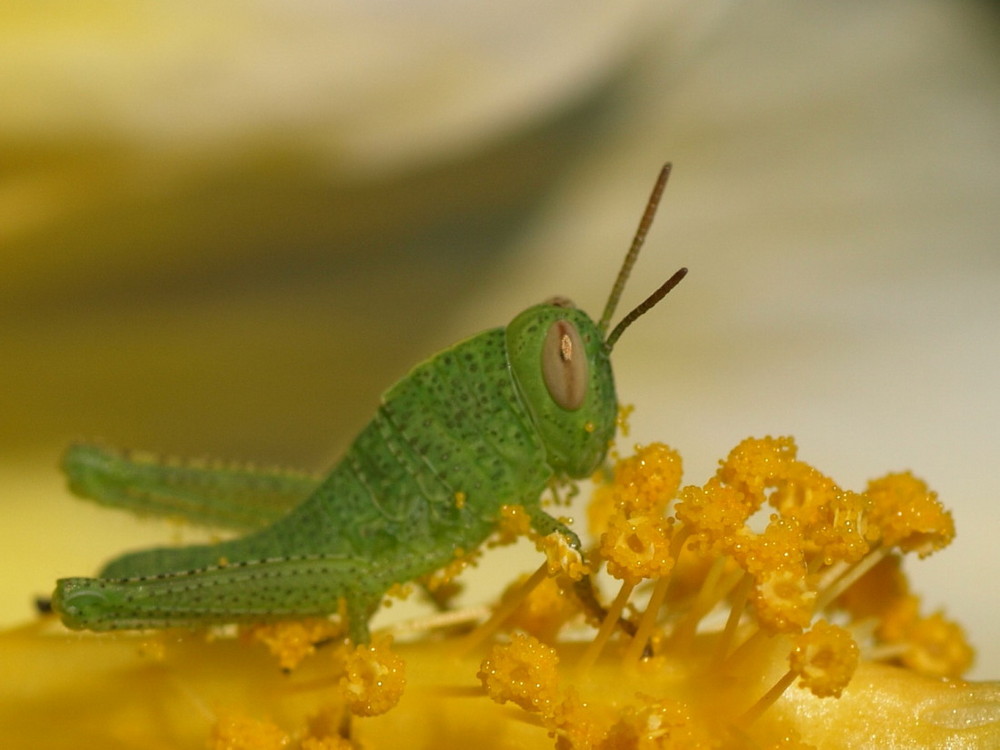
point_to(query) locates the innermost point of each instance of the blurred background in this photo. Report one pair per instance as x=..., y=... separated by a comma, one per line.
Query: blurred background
x=225, y=229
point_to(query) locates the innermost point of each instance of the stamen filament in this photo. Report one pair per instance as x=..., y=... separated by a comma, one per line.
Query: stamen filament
x=501, y=613
x=747, y=646
x=840, y=585
x=597, y=645
x=735, y=615
x=648, y=619
x=766, y=700
x=703, y=602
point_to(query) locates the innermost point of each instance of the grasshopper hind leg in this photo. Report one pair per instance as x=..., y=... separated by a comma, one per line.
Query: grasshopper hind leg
x=225, y=496
x=294, y=535
x=255, y=591
x=154, y=562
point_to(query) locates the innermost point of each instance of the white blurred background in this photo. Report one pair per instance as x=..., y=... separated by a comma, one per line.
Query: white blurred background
x=224, y=230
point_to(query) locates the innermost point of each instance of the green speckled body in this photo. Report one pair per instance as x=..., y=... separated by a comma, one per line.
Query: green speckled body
x=464, y=433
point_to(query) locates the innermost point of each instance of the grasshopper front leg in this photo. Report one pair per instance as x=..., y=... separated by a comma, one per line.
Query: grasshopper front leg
x=584, y=588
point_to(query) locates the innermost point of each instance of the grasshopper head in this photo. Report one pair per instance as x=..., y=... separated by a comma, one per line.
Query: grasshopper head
x=561, y=363
x=563, y=372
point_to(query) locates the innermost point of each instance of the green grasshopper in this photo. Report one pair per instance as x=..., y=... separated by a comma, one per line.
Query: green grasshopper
x=491, y=421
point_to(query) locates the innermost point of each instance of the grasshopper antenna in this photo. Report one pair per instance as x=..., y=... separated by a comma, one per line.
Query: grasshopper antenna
x=644, y=307
x=633, y=253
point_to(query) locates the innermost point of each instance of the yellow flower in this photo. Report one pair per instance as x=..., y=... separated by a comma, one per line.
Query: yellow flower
x=805, y=634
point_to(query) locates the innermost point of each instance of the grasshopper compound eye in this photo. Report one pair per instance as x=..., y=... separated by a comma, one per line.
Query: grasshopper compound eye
x=564, y=365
